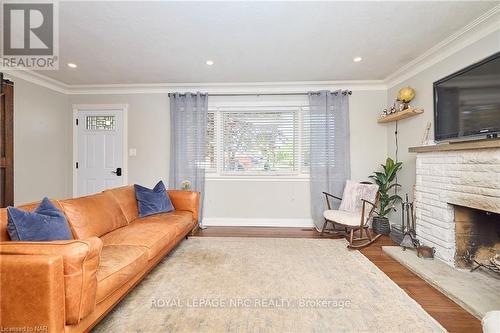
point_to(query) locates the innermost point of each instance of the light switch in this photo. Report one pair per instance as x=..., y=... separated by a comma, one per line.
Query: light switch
x=132, y=152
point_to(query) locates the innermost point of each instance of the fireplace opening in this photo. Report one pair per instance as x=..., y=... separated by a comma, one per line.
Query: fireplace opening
x=477, y=236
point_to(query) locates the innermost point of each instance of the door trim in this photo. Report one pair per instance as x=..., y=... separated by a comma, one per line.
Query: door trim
x=7, y=161
x=99, y=107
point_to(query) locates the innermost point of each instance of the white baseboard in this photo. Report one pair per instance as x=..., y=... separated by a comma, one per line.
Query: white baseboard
x=258, y=222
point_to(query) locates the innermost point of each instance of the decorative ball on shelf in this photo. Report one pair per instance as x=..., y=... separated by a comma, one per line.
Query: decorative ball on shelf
x=406, y=94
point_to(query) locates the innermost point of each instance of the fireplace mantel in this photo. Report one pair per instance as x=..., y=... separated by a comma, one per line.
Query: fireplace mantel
x=468, y=145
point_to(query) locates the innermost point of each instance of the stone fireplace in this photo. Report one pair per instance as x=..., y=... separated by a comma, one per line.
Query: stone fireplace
x=457, y=200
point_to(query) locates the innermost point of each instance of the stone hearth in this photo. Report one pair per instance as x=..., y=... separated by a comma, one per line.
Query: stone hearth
x=447, y=181
x=477, y=292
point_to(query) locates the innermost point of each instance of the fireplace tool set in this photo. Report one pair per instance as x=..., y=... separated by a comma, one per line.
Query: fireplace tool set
x=409, y=232
x=408, y=225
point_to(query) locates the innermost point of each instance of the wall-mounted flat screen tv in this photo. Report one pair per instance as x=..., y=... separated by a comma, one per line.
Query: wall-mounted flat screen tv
x=467, y=103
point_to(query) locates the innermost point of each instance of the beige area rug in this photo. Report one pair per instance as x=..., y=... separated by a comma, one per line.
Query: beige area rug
x=267, y=285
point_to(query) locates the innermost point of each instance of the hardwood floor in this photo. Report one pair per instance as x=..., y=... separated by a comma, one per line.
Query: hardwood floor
x=445, y=311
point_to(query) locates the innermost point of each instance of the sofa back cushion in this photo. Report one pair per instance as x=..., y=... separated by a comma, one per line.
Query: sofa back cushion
x=93, y=215
x=125, y=197
x=4, y=234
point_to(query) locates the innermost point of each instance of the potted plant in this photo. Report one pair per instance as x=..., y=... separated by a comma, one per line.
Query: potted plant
x=385, y=181
x=186, y=185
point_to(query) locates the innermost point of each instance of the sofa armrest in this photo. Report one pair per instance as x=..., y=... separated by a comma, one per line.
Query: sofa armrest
x=186, y=200
x=32, y=293
x=80, y=260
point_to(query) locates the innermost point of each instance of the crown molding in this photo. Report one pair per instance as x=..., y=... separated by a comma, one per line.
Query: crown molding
x=228, y=87
x=38, y=79
x=481, y=27
x=221, y=88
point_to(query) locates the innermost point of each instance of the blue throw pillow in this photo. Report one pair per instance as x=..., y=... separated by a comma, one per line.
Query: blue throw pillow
x=45, y=223
x=152, y=201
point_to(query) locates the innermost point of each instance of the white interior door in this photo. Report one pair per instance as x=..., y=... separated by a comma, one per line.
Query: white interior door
x=100, y=144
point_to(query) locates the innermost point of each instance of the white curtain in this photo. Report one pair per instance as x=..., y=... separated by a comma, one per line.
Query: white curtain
x=329, y=148
x=188, y=131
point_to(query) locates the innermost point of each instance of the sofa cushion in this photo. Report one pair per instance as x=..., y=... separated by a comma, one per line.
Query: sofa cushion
x=152, y=201
x=119, y=264
x=182, y=221
x=125, y=197
x=45, y=223
x=93, y=215
x=343, y=217
x=151, y=237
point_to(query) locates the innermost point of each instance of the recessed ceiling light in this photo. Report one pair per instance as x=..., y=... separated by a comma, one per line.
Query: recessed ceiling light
x=72, y=65
x=357, y=59
x=209, y=62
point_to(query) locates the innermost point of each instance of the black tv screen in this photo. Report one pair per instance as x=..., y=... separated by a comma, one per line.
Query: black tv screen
x=467, y=103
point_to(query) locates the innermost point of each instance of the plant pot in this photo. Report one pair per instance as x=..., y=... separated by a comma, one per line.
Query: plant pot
x=381, y=225
x=396, y=234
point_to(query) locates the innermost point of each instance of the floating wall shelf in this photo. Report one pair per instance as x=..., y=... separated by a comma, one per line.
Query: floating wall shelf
x=400, y=115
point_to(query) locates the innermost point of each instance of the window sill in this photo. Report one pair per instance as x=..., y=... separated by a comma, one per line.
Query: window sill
x=259, y=178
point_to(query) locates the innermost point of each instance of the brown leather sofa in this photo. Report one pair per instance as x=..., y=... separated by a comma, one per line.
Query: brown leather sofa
x=68, y=286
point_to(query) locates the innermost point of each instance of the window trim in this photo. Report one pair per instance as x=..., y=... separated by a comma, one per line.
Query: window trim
x=219, y=175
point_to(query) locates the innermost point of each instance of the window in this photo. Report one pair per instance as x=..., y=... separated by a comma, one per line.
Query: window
x=100, y=123
x=210, y=163
x=258, y=141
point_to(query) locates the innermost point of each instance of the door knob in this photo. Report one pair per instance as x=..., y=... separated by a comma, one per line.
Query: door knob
x=118, y=171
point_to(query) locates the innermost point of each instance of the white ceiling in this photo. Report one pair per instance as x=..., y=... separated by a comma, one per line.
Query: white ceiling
x=167, y=42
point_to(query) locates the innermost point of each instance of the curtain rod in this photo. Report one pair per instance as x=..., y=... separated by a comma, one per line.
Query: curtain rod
x=344, y=92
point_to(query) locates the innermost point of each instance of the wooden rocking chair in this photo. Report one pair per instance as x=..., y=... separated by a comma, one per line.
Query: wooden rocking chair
x=356, y=209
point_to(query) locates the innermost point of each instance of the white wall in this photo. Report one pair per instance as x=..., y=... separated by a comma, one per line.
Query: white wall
x=411, y=130
x=42, y=143
x=237, y=201
x=148, y=132
x=367, y=136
